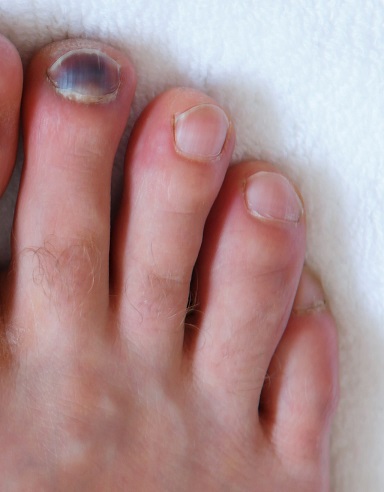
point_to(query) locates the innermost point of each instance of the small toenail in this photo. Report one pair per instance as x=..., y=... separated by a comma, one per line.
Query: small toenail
x=271, y=196
x=86, y=75
x=201, y=131
x=310, y=296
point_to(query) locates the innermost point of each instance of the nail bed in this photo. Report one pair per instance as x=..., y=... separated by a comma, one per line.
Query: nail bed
x=86, y=75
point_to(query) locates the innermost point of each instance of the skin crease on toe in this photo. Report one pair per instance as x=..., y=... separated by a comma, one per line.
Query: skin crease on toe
x=104, y=386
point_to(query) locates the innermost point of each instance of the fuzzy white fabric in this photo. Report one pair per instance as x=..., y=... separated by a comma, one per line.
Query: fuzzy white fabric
x=304, y=81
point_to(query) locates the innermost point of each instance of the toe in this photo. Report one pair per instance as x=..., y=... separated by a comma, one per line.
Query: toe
x=301, y=390
x=177, y=159
x=77, y=100
x=11, y=83
x=246, y=279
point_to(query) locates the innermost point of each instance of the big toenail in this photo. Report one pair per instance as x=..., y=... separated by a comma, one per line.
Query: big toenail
x=201, y=131
x=86, y=75
x=309, y=296
x=271, y=196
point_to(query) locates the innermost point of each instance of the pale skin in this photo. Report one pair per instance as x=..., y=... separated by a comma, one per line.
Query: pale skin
x=108, y=381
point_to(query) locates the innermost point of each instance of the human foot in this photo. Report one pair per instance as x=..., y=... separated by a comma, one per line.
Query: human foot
x=105, y=386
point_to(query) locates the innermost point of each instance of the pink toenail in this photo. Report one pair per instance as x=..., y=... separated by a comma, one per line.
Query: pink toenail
x=201, y=131
x=271, y=196
x=85, y=75
x=310, y=295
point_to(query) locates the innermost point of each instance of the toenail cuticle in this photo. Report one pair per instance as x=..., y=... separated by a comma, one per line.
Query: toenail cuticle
x=201, y=131
x=86, y=75
x=270, y=196
x=309, y=296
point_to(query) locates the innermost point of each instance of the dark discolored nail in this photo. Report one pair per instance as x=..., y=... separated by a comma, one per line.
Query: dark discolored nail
x=86, y=75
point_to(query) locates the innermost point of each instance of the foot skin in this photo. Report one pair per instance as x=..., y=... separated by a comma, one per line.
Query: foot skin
x=108, y=381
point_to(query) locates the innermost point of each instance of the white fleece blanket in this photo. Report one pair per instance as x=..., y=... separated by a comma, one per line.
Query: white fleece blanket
x=304, y=81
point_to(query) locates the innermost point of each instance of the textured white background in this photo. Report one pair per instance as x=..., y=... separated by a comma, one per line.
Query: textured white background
x=304, y=81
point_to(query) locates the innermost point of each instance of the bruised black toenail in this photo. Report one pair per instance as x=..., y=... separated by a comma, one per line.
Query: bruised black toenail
x=86, y=76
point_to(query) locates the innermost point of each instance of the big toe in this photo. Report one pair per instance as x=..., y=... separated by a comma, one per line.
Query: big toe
x=11, y=83
x=76, y=105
